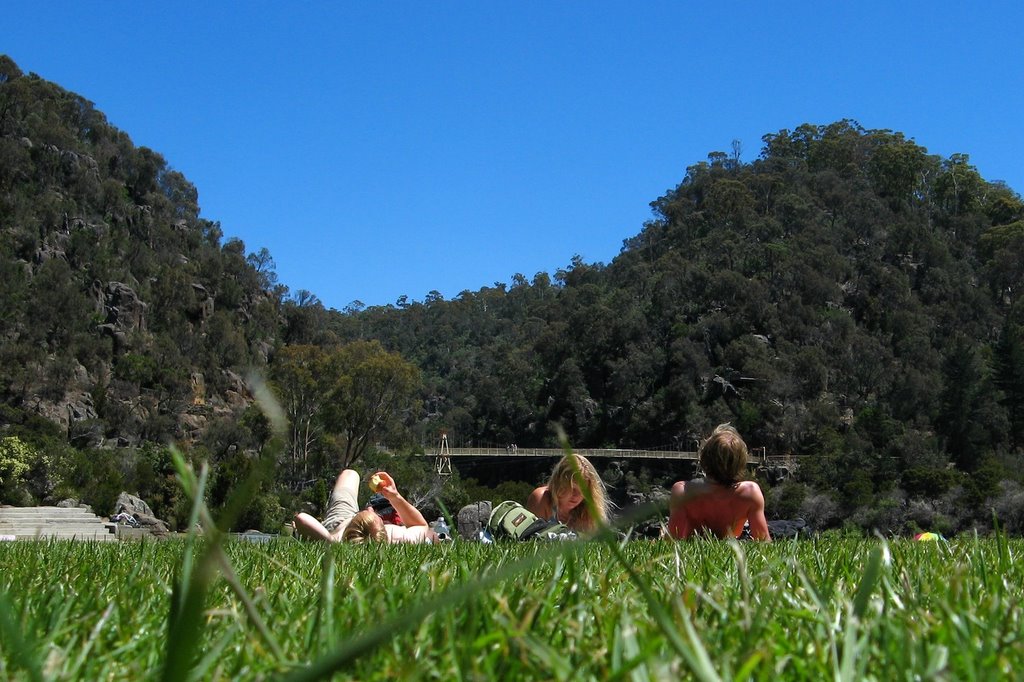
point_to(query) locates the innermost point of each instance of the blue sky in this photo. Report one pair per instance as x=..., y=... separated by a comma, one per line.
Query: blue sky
x=396, y=148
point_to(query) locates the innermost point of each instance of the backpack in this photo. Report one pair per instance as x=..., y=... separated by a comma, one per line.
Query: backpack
x=512, y=521
x=385, y=511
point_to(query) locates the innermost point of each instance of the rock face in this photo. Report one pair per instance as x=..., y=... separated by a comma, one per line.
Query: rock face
x=74, y=406
x=125, y=311
x=472, y=518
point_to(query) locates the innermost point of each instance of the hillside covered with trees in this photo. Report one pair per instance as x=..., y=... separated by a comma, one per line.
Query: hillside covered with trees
x=128, y=323
x=846, y=298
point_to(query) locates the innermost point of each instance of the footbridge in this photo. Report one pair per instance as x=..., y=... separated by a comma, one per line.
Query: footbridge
x=589, y=453
x=443, y=455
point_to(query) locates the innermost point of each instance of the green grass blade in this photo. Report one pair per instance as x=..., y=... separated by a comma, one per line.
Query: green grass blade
x=87, y=648
x=872, y=574
x=19, y=649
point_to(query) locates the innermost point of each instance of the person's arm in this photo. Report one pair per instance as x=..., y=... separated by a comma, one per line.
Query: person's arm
x=756, y=518
x=308, y=527
x=679, y=526
x=411, y=516
x=537, y=503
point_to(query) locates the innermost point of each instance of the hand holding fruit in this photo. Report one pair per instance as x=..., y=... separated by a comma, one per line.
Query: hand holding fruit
x=381, y=482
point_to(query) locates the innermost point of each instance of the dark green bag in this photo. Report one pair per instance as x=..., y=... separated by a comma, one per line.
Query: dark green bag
x=512, y=521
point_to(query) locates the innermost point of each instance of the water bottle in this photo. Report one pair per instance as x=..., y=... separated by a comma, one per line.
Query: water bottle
x=444, y=533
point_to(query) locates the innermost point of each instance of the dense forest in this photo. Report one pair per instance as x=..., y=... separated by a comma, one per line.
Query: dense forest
x=846, y=298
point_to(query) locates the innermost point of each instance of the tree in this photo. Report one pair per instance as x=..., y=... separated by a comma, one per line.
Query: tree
x=1010, y=376
x=959, y=185
x=299, y=374
x=8, y=69
x=339, y=399
x=263, y=263
x=372, y=387
x=970, y=418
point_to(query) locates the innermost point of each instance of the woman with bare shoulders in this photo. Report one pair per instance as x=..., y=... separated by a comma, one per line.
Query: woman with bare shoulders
x=723, y=503
x=562, y=498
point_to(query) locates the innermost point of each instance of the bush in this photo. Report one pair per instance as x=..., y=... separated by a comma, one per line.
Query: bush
x=16, y=458
x=27, y=475
x=928, y=482
x=785, y=501
x=263, y=513
x=820, y=511
x=858, y=490
x=888, y=514
x=150, y=473
x=95, y=477
x=1008, y=506
x=473, y=491
x=959, y=510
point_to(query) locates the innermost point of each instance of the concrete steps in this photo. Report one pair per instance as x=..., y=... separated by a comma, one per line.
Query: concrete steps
x=43, y=523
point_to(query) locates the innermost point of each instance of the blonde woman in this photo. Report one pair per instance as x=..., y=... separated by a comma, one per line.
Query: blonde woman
x=562, y=498
x=344, y=522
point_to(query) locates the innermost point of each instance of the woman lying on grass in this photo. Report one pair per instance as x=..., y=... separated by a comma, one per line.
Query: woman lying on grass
x=562, y=499
x=345, y=523
x=723, y=503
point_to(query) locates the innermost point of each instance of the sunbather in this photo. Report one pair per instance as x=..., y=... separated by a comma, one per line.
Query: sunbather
x=344, y=522
x=723, y=503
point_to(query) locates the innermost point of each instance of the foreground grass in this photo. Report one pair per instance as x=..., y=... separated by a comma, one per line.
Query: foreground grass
x=841, y=609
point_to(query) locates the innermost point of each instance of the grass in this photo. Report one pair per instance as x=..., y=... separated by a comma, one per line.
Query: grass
x=839, y=609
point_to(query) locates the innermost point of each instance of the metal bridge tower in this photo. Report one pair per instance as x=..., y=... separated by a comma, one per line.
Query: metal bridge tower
x=443, y=459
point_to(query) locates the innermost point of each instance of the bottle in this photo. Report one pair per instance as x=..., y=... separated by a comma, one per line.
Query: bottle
x=444, y=533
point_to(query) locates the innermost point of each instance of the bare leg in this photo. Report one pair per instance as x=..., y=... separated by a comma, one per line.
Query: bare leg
x=348, y=478
x=346, y=489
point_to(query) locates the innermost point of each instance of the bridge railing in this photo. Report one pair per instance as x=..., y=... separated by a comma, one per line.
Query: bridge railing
x=558, y=452
x=757, y=456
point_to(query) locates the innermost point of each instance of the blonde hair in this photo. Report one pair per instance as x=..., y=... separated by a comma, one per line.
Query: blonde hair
x=364, y=527
x=562, y=477
x=723, y=456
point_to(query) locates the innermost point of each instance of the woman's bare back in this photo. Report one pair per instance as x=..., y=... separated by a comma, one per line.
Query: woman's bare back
x=703, y=506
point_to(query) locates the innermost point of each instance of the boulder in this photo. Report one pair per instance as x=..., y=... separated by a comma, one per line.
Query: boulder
x=652, y=529
x=72, y=503
x=154, y=525
x=788, y=528
x=472, y=519
x=136, y=508
x=659, y=495
x=131, y=504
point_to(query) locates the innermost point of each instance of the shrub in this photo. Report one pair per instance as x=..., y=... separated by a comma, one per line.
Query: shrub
x=888, y=514
x=16, y=459
x=99, y=478
x=263, y=513
x=820, y=511
x=1008, y=506
x=785, y=501
x=858, y=489
x=928, y=482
